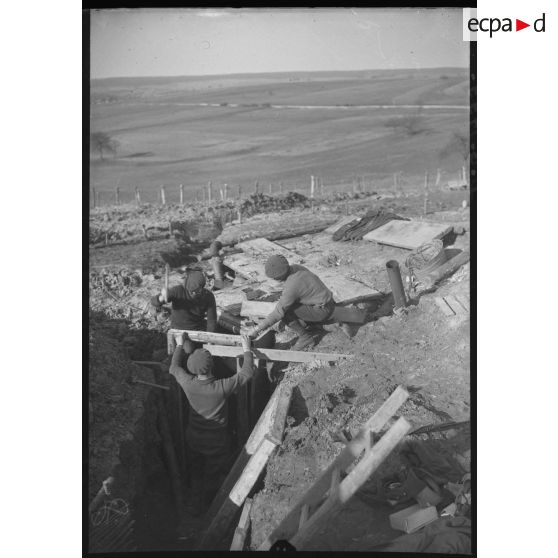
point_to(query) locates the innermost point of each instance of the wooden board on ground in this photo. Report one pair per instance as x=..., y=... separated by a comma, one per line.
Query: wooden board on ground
x=256, y=308
x=214, y=338
x=452, y=305
x=239, y=537
x=275, y=354
x=408, y=234
x=341, y=223
x=250, y=264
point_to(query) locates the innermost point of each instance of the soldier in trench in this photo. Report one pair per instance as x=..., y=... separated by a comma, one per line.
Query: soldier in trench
x=207, y=434
x=192, y=305
x=305, y=300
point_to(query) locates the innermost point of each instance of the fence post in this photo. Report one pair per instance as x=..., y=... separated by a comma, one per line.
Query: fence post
x=209, y=192
x=117, y=195
x=280, y=187
x=94, y=196
x=438, y=177
x=182, y=194
x=240, y=192
x=425, y=192
x=98, y=199
x=321, y=187
x=312, y=186
x=464, y=170
x=395, y=182
x=226, y=190
x=163, y=197
x=136, y=195
x=240, y=215
x=256, y=187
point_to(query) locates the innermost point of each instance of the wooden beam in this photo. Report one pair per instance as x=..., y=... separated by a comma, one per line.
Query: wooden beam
x=280, y=415
x=275, y=354
x=349, y=486
x=445, y=270
x=263, y=426
x=242, y=409
x=214, y=338
x=241, y=530
x=219, y=528
x=256, y=308
x=315, y=494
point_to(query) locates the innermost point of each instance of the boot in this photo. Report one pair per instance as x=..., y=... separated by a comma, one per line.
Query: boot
x=304, y=338
x=349, y=330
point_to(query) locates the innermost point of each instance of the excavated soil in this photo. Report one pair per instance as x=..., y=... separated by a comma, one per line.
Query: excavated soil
x=421, y=349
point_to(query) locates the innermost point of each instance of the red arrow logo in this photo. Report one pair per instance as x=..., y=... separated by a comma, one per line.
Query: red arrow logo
x=519, y=25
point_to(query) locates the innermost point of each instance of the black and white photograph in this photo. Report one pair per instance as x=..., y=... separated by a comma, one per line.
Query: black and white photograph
x=279, y=256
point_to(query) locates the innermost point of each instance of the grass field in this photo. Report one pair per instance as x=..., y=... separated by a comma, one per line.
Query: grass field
x=173, y=131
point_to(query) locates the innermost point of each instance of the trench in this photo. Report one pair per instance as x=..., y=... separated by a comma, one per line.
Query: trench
x=153, y=476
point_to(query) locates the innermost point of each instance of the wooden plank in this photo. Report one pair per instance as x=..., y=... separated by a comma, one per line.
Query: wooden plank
x=408, y=234
x=275, y=354
x=349, y=486
x=242, y=408
x=251, y=266
x=443, y=306
x=456, y=304
x=280, y=414
x=241, y=530
x=220, y=526
x=341, y=223
x=263, y=426
x=315, y=494
x=215, y=338
x=256, y=308
x=444, y=270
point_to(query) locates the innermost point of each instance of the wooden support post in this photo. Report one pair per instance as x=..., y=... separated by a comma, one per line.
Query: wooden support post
x=163, y=196
x=170, y=455
x=219, y=528
x=314, y=495
x=356, y=478
x=117, y=195
x=239, y=537
x=221, y=194
x=181, y=188
x=304, y=512
x=425, y=209
x=312, y=186
x=209, y=192
x=170, y=343
x=242, y=410
x=181, y=440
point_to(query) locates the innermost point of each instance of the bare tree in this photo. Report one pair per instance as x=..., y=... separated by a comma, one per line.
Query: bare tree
x=103, y=143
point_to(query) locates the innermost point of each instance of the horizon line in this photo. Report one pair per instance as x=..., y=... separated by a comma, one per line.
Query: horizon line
x=405, y=69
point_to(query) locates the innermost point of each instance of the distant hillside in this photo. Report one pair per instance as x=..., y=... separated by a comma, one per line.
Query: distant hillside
x=237, y=129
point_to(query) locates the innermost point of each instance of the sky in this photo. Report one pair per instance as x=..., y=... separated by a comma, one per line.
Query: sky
x=174, y=41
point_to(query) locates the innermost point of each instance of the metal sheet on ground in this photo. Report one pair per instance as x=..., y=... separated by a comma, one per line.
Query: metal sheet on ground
x=407, y=234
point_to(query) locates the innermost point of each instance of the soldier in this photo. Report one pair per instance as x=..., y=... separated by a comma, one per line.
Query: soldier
x=207, y=435
x=305, y=299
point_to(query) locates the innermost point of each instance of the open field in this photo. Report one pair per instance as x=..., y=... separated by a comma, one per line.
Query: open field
x=243, y=128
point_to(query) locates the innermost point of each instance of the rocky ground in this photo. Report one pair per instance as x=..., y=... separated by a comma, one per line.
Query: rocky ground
x=421, y=349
